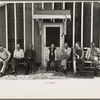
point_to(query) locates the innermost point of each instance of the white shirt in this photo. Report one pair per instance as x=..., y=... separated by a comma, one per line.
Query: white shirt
x=88, y=53
x=5, y=54
x=18, y=53
x=47, y=51
x=67, y=51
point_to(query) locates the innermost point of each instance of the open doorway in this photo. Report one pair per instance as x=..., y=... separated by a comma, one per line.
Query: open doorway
x=51, y=34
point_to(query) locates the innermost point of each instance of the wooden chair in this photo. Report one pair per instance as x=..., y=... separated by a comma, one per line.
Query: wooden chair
x=58, y=54
x=89, y=66
x=85, y=60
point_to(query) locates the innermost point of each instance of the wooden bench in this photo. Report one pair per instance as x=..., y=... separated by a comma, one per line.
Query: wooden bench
x=9, y=67
x=88, y=62
x=85, y=60
x=91, y=64
x=58, y=55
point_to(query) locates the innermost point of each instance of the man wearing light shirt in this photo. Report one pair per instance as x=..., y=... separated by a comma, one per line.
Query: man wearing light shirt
x=66, y=54
x=92, y=55
x=18, y=57
x=4, y=58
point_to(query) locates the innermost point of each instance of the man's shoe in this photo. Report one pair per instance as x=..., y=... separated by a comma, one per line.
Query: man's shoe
x=95, y=73
x=26, y=73
x=47, y=69
x=1, y=74
x=13, y=72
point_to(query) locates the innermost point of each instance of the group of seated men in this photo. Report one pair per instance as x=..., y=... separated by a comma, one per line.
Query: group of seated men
x=67, y=53
x=60, y=62
x=18, y=57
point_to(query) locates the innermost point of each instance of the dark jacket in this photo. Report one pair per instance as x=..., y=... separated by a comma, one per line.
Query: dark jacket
x=29, y=53
x=52, y=57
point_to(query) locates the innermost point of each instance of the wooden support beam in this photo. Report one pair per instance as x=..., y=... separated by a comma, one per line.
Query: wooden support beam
x=73, y=24
x=82, y=23
x=15, y=24
x=24, y=26
x=6, y=24
x=50, y=16
x=53, y=12
x=74, y=61
x=63, y=5
x=33, y=25
x=42, y=5
x=52, y=5
x=91, y=22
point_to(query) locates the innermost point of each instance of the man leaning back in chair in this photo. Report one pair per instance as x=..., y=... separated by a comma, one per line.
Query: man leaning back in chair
x=92, y=55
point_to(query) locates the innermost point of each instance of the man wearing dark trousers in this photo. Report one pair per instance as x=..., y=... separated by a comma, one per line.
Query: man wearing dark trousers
x=18, y=57
x=52, y=58
x=4, y=59
x=29, y=59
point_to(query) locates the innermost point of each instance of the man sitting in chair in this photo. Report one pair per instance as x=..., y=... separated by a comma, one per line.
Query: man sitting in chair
x=79, y=55
x=51, y=60
x=66, y=54
x=92, y=55
x=29, y=59
x=4, y=58
x=18, y=57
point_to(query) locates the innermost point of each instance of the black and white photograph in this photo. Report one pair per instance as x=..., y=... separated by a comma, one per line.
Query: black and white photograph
x=50, y=40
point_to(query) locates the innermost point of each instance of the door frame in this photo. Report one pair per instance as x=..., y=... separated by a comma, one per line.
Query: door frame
x=43, y=63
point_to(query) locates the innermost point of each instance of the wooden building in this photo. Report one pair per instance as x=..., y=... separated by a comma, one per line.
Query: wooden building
x=45, y=22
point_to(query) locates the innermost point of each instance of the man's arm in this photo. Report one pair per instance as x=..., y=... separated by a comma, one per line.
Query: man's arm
x=47, y=55
x=69, y=53
x=74, y=52
x=1, y=60
x=8, y=53
x=98, y=50
x=88, y=53
x=82, y=53
x=22, y=53
x=33, y=55
x=14, y=54
x=55, y=54
x=25, y=55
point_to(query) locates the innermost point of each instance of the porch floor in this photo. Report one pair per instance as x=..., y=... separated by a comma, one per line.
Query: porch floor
x=43, y=74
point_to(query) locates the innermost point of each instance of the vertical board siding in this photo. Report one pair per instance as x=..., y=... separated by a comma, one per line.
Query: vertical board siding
x=2, y=27
x=37, y=42
x=78, y=22
x=87, y=24
x=37, y=36
x=96, y=23
x=58, y=6
x=69, y=35
x=28, y=23
x=19, y=24
x=37, y=6
x=47, y=6
x=11, y=35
